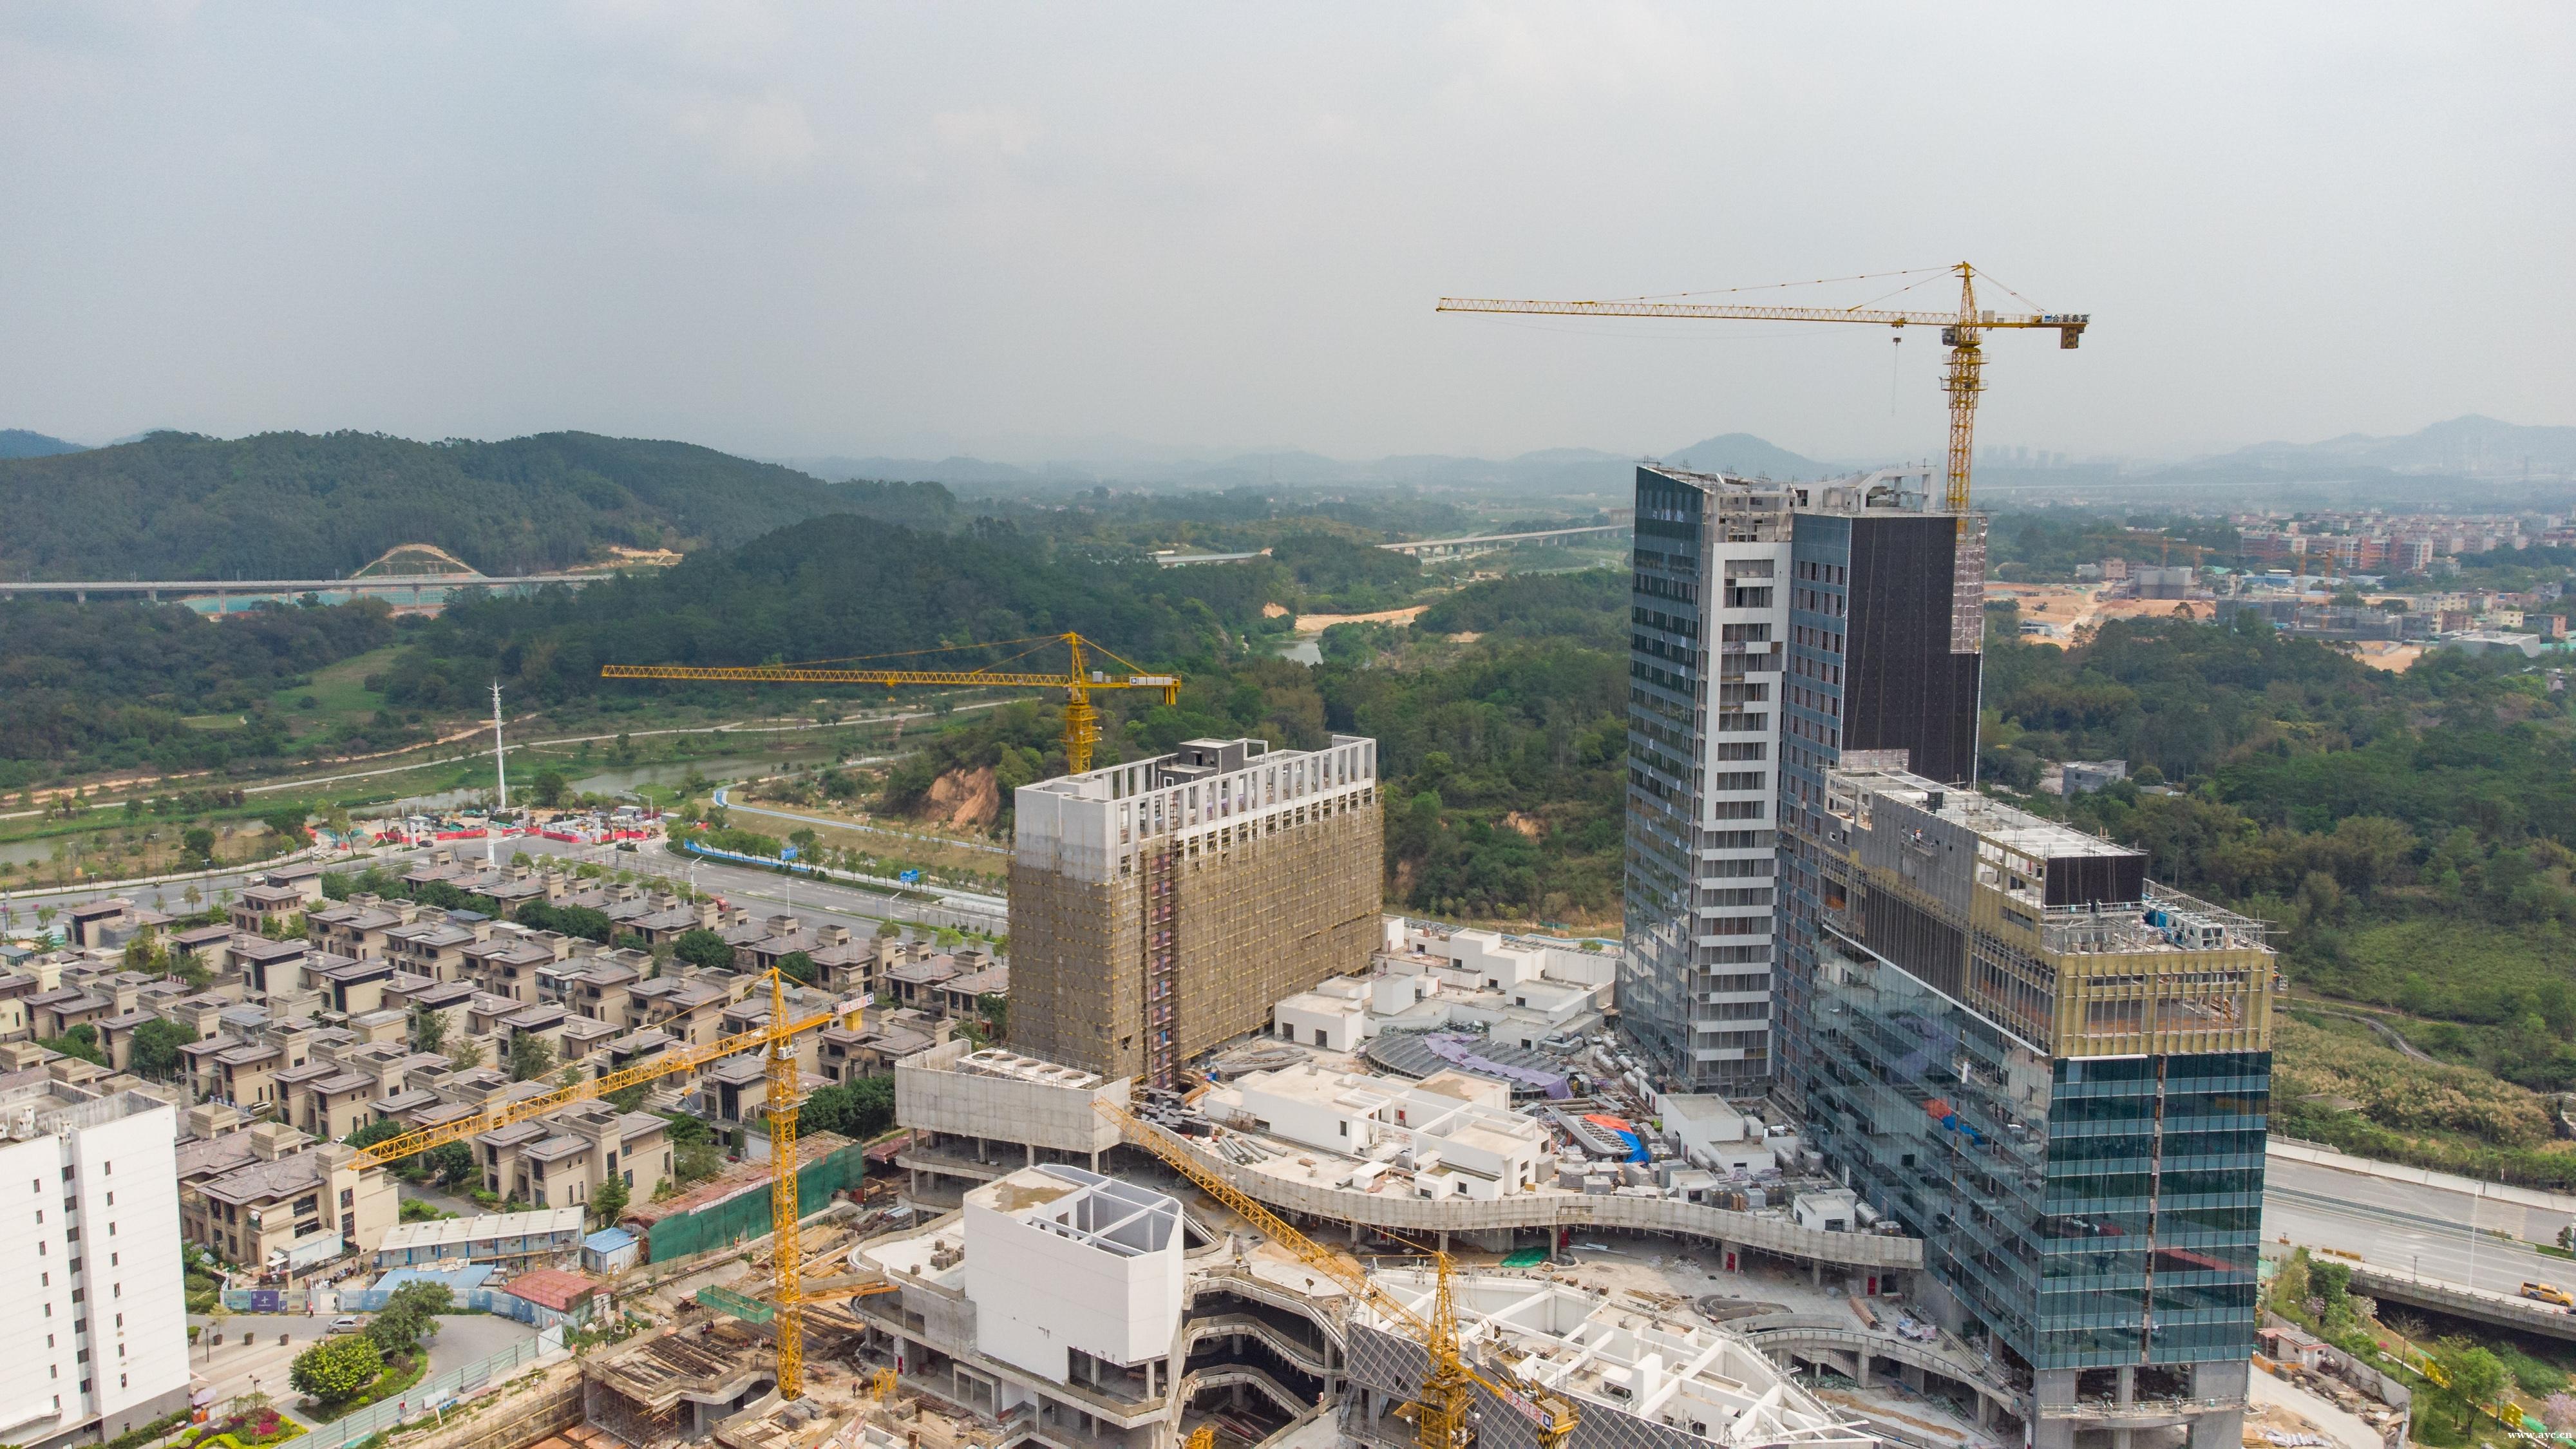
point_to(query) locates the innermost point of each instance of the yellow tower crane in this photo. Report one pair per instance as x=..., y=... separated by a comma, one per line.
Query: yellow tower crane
x=776, y=1041
x=1440, y=1410
x=1081, y=716
x=1963, y=332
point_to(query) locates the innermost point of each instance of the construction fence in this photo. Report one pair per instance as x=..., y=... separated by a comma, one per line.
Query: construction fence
x=433, y=1395
x=744, y=1213
x=477, y=1300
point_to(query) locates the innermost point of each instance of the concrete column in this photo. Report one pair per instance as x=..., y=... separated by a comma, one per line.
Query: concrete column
x=1860, y=1368
x=1985, y=1410
x=1032, y=1149
x=1815, y=1273
x=1444, y=1240
x=2128, y=1390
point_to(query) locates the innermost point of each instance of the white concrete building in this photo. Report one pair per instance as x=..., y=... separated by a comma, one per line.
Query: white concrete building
x=1521, y=992
x=1062, y=1261
x=1456, y=1132
x=95, y=1341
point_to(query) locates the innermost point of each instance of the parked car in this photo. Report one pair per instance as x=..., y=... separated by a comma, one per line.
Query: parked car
x=344, y=1324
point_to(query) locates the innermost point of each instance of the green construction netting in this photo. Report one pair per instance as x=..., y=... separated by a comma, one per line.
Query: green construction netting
x=746, y=1214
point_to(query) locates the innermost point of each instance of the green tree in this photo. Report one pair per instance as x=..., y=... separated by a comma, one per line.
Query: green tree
x=531, y=1056
x=452, y=1163
x=607, y=1203
x=2476, y=1378
x=428, y=1029
x=199, y=844
x=696, y=1162
x=156, y=1048
x=81, y=1041
x=857, y=1109
x=550, y=787
x=703, y=948
x=466, y=1055
x=797, y=966
x=409, y=1315
x=337, y=1369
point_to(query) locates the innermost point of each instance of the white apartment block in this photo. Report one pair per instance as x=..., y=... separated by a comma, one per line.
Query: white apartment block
x=95, y=1341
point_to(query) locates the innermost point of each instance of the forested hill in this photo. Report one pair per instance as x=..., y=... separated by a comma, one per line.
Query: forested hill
x=303, y=505
x=833, y=587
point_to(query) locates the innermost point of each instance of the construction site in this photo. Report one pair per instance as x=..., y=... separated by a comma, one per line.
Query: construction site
x=1259, y=1166
x=1505, y=1235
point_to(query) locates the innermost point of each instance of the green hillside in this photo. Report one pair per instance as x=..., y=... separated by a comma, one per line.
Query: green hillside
x=302, y=505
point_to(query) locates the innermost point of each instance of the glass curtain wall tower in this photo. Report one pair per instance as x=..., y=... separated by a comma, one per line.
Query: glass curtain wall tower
x=1707, y=611
x=2057, y=1074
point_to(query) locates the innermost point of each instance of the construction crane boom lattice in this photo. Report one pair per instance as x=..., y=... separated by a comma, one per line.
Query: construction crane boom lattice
x=1963, y=332
x=776, y=1041
x=1441, y=1409
x=1081, y=716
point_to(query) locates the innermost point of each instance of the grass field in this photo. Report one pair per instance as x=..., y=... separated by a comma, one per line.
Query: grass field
x=213, y=721
x=339, y=694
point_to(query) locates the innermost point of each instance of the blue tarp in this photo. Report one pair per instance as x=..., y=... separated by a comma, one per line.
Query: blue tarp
x=1636, y=1147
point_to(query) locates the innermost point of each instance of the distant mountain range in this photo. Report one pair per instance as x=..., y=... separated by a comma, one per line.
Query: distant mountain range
x=1551, y=470
x=2469, y=446
x=19, y=443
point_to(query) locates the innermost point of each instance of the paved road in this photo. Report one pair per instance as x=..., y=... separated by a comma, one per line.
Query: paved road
x=174, y=893
x=250, y=1356
x=466, y=1338
x=2406, y=1227
x=806, y=897
x=952, y=894
x=721, y=798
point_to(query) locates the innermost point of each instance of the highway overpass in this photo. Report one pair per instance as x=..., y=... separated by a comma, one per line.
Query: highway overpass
x=420, y=591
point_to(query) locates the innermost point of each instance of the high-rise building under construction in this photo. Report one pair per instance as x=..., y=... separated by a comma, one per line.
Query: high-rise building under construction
x=1774, y=626
x=1162, y=906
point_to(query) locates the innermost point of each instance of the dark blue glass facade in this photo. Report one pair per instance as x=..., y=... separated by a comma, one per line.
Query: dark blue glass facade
x=2092, y=1212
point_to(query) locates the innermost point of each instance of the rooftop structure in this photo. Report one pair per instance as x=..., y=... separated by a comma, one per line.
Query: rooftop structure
x=1637, y=1376
x=1452, y=1129
x=489, y=1238
x=1061, y=1261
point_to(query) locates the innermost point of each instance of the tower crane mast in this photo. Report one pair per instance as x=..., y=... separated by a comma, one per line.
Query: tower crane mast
x=1963, y=332
x=775, y=1039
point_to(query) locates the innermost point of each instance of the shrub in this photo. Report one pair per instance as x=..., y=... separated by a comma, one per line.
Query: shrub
x=336, y=1370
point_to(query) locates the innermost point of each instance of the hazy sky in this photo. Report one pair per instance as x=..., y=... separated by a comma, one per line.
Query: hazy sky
x=1009, y=229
